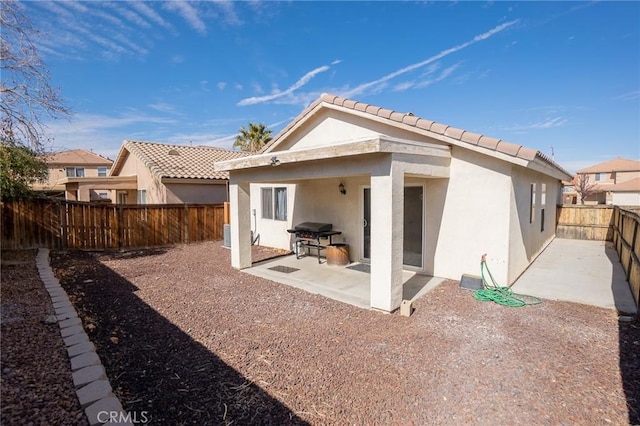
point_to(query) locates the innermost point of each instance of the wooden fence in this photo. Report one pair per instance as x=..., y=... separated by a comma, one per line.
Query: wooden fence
x=75, y=225
x=626, y=238
x=607, y=223
x=585, y=222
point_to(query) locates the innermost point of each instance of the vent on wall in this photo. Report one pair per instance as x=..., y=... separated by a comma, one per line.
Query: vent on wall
x=173, y=152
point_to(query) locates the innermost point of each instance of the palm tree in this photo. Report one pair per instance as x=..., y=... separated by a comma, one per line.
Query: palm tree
x=252, y=139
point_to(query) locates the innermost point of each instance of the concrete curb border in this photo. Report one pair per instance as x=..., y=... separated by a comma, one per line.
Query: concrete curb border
x=89, y=377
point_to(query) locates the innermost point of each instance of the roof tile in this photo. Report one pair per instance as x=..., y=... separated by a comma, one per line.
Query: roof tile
x=439, y=128
x=452, y=132
x=411, y=120
x=508, y=148
x=615, y=165
x=384, y=113
x=349, y=104
x=487, y=142
x=471, y=137
x=361, y=106
x=397, y=116
x=527, y=153
x=424, y=124
x=195, y=162
x=373, y=109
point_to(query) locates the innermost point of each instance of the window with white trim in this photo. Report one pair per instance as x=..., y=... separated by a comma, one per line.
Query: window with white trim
x=598, y=177
x=103, y=195
x=274, y=203
x=532, y=203
x=75, y=171
x=102, y=171
x=142, y=196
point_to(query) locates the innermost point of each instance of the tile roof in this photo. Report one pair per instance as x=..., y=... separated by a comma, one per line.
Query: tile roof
x=629, y=185
x=77, y=157
x=409, y=121
x=177, y=161
x=615, y=165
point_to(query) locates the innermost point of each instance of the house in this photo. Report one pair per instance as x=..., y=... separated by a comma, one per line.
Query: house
x=76, y=163
x=406, y=193
x=171, y=174
x=616, y=182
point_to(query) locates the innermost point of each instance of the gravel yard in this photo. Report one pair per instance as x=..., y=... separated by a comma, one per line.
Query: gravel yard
x=187, y=339
x=36, y=375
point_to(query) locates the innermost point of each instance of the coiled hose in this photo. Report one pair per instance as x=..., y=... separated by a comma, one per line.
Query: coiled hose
x=492, y=292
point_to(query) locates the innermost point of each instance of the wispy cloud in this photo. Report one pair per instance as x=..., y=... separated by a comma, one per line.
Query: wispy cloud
x=547, y=123
x=188, y=12
x=102, y=133
x=163, y=107
x=282, y=93
x=221, y=85
x=377, y=85
x=629, y=96
x=424, y=82
x=151, y=14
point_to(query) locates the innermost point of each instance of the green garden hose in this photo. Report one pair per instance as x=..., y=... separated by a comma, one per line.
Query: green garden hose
x=492, y=292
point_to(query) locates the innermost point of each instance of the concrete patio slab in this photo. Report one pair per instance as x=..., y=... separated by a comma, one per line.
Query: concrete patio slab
x=348, y=284
x=579, y=271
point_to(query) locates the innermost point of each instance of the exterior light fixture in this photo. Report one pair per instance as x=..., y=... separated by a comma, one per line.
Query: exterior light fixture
x=275, y=161
x=341, y=189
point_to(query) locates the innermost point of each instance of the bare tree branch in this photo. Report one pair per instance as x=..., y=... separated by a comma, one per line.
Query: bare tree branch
x=583, y=187
x=26, y=94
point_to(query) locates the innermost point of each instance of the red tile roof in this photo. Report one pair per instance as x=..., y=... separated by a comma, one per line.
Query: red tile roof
x=411, y=121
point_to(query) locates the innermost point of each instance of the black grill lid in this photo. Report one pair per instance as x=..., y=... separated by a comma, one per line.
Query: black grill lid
x=313, y=227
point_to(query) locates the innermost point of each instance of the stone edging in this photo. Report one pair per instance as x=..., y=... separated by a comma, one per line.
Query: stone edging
x=89, y=377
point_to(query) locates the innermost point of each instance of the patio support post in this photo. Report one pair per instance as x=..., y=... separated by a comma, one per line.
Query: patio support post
x=239, y=194
x=387, y=213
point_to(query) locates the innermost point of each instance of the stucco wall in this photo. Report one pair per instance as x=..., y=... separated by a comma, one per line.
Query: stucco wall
x=212, y=193
x=59, y=172
x=333, y=127
x=475, y=216
x=626, y=176
x=273, y=233
x=156, y=191
x=526, y=237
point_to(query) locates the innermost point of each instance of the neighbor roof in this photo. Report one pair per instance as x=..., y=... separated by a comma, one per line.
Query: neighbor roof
x=615, y=165
x=413, y=123
x=176, y=161
x=77, y=157
x=630, y=185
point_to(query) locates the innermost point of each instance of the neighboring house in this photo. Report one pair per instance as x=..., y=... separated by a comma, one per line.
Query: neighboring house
x=66, y=166
x=171, y=174
x=616, y=182
x=407, y=193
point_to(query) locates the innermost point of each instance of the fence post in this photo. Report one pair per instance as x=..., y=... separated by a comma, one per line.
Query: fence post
x=62, y=215
x=186, y=224
x=631, y=249
x=120, y=225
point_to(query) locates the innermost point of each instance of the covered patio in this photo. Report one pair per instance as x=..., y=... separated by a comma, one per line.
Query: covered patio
x=347, y=284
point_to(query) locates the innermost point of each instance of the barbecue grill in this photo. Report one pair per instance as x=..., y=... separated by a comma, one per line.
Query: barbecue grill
x=309, y=234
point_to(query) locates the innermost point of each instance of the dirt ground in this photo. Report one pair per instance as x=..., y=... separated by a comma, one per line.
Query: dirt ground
x=37, y=387
x=186, y=339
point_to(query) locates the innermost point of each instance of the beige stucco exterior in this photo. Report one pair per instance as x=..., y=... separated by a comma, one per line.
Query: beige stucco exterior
x=169, y=190
x=474, y=202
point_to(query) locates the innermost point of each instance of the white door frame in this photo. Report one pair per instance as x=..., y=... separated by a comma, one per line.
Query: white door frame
x=424, y=225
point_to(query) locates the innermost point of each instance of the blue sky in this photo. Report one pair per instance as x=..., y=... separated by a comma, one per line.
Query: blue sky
x=542, y=74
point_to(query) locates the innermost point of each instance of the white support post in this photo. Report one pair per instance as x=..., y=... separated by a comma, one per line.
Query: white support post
x=387, y=217
x=239, y=194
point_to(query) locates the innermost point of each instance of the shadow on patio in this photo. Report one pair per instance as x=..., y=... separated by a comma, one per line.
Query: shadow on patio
x=348, y=284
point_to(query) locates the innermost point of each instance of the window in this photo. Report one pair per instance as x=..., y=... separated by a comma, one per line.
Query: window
x=102, y=171
x=122, y=198
x=598, y=176
x=267, y=203
x=75, y=171
x=543, y=194
x=274, y=203
x=142, y=196
x=103, y=195
x=532, y=203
